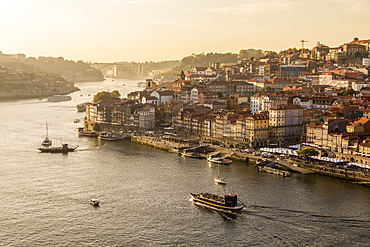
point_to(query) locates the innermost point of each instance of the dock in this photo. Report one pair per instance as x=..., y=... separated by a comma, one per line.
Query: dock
x=273, y=171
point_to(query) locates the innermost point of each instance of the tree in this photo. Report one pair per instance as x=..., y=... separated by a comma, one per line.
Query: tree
x=115, y=94
x=220, y=95
x=307, y=152
x=347, y=92
x=96, y=127
x=106, y=95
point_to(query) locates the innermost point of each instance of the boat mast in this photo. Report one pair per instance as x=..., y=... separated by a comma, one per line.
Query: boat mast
x=47, y=128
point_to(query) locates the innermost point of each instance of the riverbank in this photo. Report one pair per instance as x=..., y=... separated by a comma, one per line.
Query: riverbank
x=292, y=165
x=21, y=96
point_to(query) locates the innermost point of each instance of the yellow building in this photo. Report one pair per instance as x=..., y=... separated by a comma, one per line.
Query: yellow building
x=364, y=147
x=257, y=130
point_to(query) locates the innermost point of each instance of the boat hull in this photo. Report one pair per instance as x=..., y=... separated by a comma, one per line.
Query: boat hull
x=216, y=205
x=219, y=181
x=192, y=155
x=57, y=150
x=219, y=161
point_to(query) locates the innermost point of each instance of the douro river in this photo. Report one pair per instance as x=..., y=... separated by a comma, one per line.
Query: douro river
x=145, y=192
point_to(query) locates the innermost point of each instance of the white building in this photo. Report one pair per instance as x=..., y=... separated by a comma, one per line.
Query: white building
x=194, y=93
x=163, y=96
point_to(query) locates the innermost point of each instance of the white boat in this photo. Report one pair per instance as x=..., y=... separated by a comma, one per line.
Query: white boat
x=218, y=160
x=57, y=98
x=94, y=202
x=218, y=179
x=46, y=142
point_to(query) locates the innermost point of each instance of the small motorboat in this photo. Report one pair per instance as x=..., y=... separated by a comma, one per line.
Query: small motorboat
x=219, y=180
x=94, y=202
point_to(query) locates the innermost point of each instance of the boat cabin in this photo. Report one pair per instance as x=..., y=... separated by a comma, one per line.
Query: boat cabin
x=231, y=200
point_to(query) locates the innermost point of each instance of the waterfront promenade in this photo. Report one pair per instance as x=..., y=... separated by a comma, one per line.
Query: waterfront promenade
x=291, y=163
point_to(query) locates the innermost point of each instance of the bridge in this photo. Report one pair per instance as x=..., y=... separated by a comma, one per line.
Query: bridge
x=121, y=70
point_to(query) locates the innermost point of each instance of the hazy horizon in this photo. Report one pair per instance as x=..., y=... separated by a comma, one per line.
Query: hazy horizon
x=159, y=30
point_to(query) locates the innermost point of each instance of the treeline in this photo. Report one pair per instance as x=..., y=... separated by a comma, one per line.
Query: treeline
x=68, y=69
x=205, y=60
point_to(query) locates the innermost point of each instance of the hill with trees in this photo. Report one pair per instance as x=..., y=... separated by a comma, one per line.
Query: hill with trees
x=71, y=71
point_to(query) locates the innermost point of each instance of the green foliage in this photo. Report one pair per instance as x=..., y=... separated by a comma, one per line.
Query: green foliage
x=347, y=92
x=96, y=127
x=220, y=95
x=204, y=60
x=251, y=53
x=115, y=94
x=106, y=95
x=53, y=65
x=307, y=152
x=288, y=51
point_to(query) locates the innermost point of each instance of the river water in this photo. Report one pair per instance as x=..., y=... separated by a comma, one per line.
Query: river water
x=144, y=192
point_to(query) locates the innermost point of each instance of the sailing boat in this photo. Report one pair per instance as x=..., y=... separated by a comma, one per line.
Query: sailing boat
x=218, y=179
x=47, y=142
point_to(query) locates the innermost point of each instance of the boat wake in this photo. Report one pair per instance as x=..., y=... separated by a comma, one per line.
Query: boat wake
x=84, y=149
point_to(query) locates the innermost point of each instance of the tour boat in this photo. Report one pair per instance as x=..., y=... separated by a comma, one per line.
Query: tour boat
x=107, y=136
x=64, y=149
x=46, y=142
x=228, y=203
x=94, y=202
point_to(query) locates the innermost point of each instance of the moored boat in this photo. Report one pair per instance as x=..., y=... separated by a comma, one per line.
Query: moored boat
x=107, y=136
x=228, y=203
x=82, y=132
x=64, y=149
x=46, y=142
x=191, y=154
x=218, y=160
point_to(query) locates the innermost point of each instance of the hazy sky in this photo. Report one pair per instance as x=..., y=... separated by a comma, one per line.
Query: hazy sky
x=155, y=30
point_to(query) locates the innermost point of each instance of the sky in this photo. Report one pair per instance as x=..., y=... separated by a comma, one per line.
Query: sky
x=158, y=30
